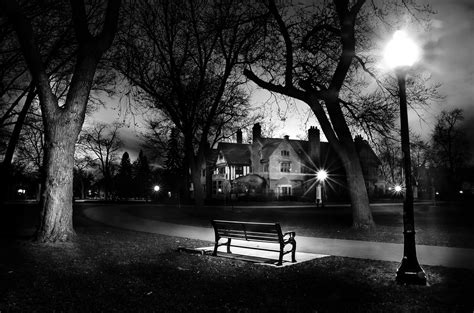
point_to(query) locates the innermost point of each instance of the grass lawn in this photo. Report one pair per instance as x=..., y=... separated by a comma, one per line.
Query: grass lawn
x=109, y=269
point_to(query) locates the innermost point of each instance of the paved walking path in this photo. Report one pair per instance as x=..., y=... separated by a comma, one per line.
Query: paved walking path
x=427, y=255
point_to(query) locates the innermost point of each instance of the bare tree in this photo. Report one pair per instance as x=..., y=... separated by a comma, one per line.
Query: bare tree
x=183, y=56
x=102, y=142
x=390, y=155
x=82, y=174
x=62, y=121
x=449, y=144
x=309, y=53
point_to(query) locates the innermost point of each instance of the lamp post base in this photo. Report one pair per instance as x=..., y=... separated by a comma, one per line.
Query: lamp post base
x=410, y=273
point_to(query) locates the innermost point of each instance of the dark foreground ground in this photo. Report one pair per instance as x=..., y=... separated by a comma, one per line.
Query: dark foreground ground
x=109, y=269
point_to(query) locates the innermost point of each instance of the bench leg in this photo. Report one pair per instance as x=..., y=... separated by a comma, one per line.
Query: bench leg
x=228, y=245
x=280, y=258
x=216, y=245
x=293, y=252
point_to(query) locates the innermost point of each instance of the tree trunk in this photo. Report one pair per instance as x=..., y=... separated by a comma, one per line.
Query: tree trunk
x=196, y=179
x=12, y=143
x=361, y=213
x=340, y=139
x=56, y=198
x=83, y=191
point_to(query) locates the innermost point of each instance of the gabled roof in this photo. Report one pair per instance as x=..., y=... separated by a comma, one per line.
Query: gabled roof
x=364, y=145
x=268, y=145
x=301, y=147
x=235, y=153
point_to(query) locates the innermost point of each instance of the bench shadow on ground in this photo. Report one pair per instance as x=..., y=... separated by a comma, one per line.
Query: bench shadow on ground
x=259, y=257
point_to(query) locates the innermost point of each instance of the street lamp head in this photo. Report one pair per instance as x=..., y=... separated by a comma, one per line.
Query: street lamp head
x=398, y=188
x=156, y=188
x=321, y=175
x=401, y=51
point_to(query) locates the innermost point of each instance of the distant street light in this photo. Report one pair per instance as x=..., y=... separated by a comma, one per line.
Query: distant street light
x=401, y=53
x=398, y=188
x=321, y=175
x=156, y=189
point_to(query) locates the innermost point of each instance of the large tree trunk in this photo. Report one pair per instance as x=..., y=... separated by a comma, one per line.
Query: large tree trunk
x=345, y=148
x=62, y=124
x=361, y=213
x=56, y=198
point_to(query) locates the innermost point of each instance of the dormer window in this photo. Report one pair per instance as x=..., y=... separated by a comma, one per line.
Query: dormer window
x=285, y=153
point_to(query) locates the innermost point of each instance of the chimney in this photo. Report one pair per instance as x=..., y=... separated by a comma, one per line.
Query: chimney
x=314, y=145
x=239, y=136
x=256, y=131
x=286, y=137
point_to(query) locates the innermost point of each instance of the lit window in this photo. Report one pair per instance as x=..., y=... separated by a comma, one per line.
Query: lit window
x=285, y=167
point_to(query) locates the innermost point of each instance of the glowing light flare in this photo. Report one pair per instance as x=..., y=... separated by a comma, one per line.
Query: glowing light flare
x=401, y=50
x=397, y=188
x=321, y=175
x=156, y=188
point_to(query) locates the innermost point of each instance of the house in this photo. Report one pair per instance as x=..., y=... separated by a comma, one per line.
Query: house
x=282, y=167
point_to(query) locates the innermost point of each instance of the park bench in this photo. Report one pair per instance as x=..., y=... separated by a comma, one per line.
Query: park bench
x=258, y=232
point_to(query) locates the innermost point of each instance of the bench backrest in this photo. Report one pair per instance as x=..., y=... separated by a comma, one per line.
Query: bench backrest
x=263, y=232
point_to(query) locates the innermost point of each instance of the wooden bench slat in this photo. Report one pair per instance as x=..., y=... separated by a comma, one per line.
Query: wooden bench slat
x=249, y=233
x=263, y=239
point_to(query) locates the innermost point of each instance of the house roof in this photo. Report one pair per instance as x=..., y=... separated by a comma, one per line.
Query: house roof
x=363, y=146
x=235, y=153
x=268, y=145
x=301, y=147
x=240, y=154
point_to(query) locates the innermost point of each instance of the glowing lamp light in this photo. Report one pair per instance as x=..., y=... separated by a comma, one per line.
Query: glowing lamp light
x=398, y=188
x=156, y=188
x=460, y=191
x=401, y=51
x=321, y=175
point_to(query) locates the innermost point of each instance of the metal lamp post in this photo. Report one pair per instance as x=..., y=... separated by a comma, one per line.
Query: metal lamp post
x=401, y=53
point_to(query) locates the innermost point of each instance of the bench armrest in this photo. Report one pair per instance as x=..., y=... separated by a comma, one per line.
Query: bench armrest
x=291, y=234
